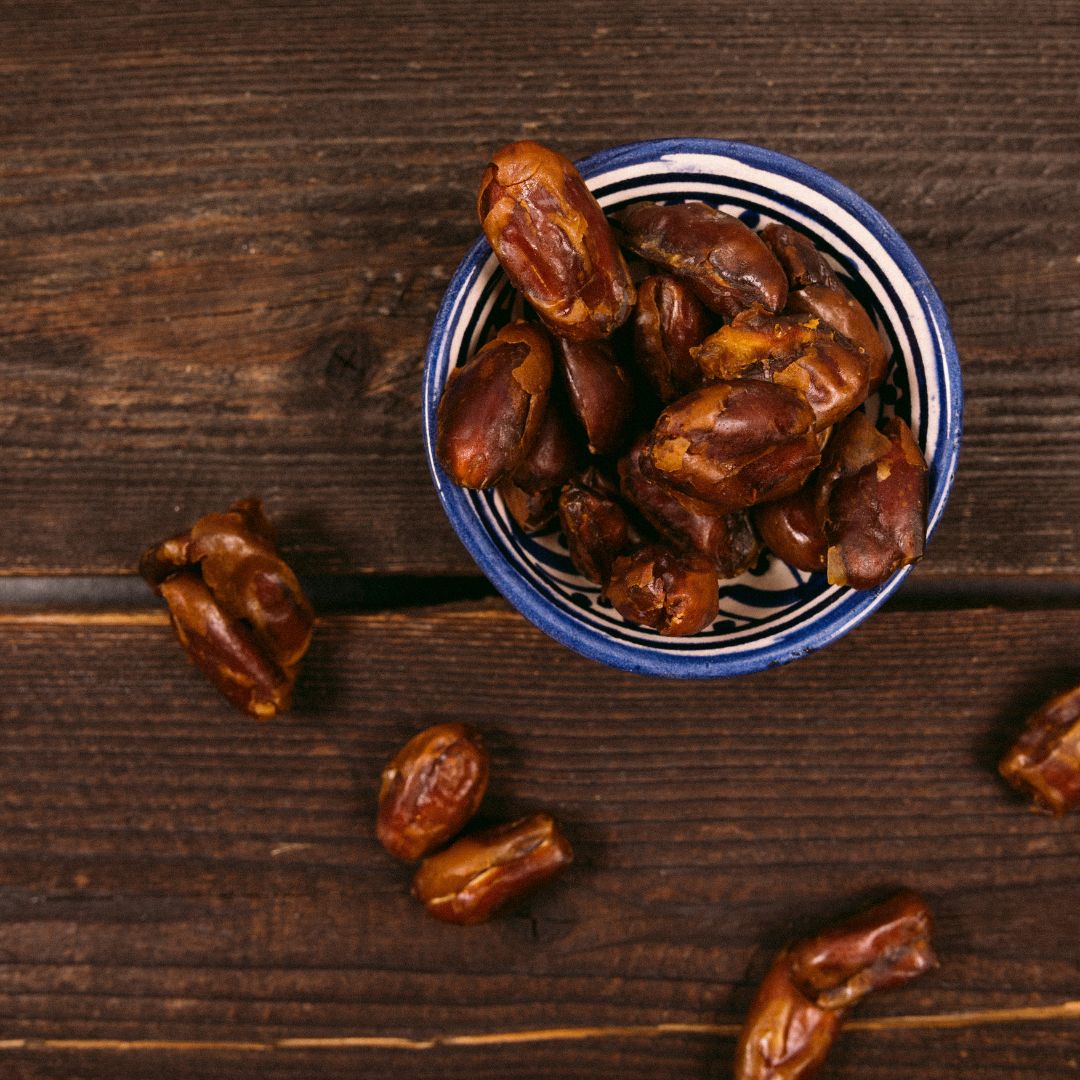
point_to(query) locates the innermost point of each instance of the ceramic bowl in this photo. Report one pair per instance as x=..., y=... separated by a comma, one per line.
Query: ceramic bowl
x=774, y=613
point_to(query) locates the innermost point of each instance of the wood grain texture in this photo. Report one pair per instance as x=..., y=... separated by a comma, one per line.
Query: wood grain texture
x=225, y=232
x=170, y=870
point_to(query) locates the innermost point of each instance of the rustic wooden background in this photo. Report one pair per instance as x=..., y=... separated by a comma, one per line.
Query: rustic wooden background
x=224, y=230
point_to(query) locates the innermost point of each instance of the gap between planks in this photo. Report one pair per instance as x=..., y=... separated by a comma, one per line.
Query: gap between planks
x=1066, y=1010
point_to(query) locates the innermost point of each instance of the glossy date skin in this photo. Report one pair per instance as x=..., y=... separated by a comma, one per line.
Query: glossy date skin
x=552, y=239
x=594, y=523
x=1044, y=762
x=235, y=605
x=726, y=264
x=669, y=320
x=600, y=392
x=815, y=289
x=793, y=528
x=803, y=1000
x=431, y=789
x=475, y=877
x=493, y=407
x=800, y=353
x=674, y=594
x=877, y=502
x=734, y=444
x=532, y=510
x=727, y=540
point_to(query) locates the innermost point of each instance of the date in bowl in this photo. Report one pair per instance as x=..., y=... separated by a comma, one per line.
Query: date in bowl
x=774, y=613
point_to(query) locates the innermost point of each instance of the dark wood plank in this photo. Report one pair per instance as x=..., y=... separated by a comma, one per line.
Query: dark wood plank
x=170, y=870
x=225, y=233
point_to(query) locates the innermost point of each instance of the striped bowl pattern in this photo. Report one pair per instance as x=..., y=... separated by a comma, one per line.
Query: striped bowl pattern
x=774, y=613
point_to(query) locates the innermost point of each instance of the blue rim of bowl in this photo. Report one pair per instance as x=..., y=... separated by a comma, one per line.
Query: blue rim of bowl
x=593, y=643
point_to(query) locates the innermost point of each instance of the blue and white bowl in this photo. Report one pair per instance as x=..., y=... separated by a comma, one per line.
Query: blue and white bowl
x=774, y=613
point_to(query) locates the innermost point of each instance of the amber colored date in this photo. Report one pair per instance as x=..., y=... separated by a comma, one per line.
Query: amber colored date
x=600, y=392
x=532, y=510
x=673, y=594
x=886, y=946
x=877, y=506
x=493, y=407
x=669, y=320
x=785, y=1036
x=1044, y=762
x=734, y=444
x=431, y=789
x=801, y=354
x=726, y=539
x=475, y=877
x=723, y=261
x=552, y=239
x=594, y=523
x=237, y=608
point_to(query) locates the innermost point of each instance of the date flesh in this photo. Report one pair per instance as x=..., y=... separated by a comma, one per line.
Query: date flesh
x=799, y=353
x=237, y=608
x=673, y=594
x=431, y=789
x=493, y=407
x=669, y=321
x=1044, y=762
x=552, y=239
x=806, y=995
x=726, y=539
x=726, y=264
x=595, y=525
x=734, y=444
x=600, y=392
x=476, y=876
x=877, y=503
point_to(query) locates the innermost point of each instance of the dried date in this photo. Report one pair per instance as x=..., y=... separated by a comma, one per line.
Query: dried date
x=673, y=594
x=1044, y=762
x=594, y=523
x=600, y=392
x=669, y=321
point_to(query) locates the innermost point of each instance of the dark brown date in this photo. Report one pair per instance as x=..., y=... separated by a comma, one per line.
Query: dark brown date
x=600, y=391
x=724, y=262
x=237, y=608
x=469, y=881
x=785, y=1036
x=552, y=458
x=673, y=594
x=726, y=539
x=734, y=444
x=595, y=525
x=793, y=528
x=1045, y=760
x=669, y=320
x=878, y=949
x=800, y=353
x=877, y=506
x=431, y=789
x=493, y=407
x=802, y=262
x=552, y=239
x=532, y=510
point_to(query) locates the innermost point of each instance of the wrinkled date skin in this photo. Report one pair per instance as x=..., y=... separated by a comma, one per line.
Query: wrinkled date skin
x=475, y=877
x=532, y=510
x=595, y=525
x=785, y=1036
x=431, y=789
x=673, y=594
x=793, y=528
x=237, y=608
x=601, y=393
x=552, y=458
x=726, y=539
x=803, y=1000
x=493, y=407
x=1045, y=760
x=877, y=506
x=815, y=289
x=801, y=354
x=669, y=320
x=886, y=946
x=552, y=239
x=723, y=261
x=734, y=444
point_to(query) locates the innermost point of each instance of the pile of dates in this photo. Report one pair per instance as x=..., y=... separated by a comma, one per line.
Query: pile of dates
x=678, y=418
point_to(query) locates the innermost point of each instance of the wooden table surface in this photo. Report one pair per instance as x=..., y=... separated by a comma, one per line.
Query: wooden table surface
x=224, y=230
